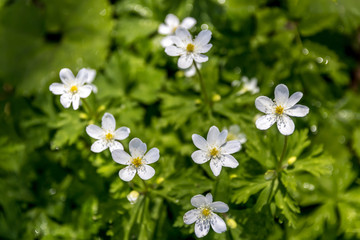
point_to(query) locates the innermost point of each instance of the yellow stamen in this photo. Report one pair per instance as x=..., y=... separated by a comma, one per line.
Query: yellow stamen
x=174, y=29
x=279, y=110
x=190, y=47
x=214, y=152
x=109, y=136
x=206, y=212
x=74, y=89
x=137, y=161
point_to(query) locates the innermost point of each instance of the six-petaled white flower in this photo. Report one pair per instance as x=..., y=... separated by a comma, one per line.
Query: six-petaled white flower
x=137, y=162
x=188, y=49
x=248, y=86
x=107, y=135
x=216, y=149
x=204, y=215
x=234, y=133
x=72, y=89
x=171, y=24
x=280, y=109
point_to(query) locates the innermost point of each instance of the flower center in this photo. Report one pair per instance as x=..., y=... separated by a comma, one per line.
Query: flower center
x=206, y=212
x=109, y=136
x=190, y=47
x=214, y=152
x=174, y=29
x=136, y=161
x=74, y=89
x=279, y=110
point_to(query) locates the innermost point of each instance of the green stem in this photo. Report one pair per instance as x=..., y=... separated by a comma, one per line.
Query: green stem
x=145, y=184
x=87, y=106
x=202, y=84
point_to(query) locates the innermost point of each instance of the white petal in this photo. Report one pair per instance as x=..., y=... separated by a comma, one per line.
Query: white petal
x=75, y=101
x=217, y=224
x=281, y=94
x=66, y=100
x=137, y=148
x=66, y=76
x=219, y=207
x=122, y=133
x=201, y=228
x=209, y=198
x=204, y=49
x=108, y=122
x=94, y=88
x=266, y=121
x=294, y=99
x=120, y=156
x=213, y=135
x=190, y=72
x=166, y=41
x=152, y=156
x=91, y=75
x=178, y=42
x=127, y=174
x=82, y=76
x=57, y=88
x=200, y=157
x=231, y=147
x=200, y=142
x=99, y=146
x=297, y=111
x=222, y=138
x=172, y=20
x=215, y=167
x=264, y=104
x=285, y=125
x=95, y=131
x=200, y=58
x=146, y=172
x=198, y=200
x=164, y=29
x=183, y=34
x=114, y=145
x=191, y=216
x=84, y=91
x=229, y=161
x=203, y=38
x=185, y=61
x=188, y=22
x=174, y=51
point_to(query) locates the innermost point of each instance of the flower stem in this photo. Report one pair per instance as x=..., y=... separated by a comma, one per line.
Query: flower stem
x=87, y=106
x=145, y=184
x=202, y=84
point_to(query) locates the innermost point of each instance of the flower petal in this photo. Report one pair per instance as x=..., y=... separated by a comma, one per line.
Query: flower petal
x=91, y=75
x=66, y=100
x=114, y=145
x=166, y=41
x=203, y=38
x=191, y=216
x=108, y=122
x=188, y=22
x=201, y=228
x=264, y=104
x=99, y=146
x=178, y=42
x=164, y=29
x=82, y=76
x=200, y=156
x=231, y=147
x=285, y=125
x=75, y=101
x=204, y=49
x=84, y=91
x=151, y=156
x=215, y=167
x=219, y=207
x=213, y=135
x=217, y=223
x=200, y=142
x=229, y=161
x=127, y=174
x=172, y=20
x=198, y=200
x=146, y=172
x=200, y=58
x=66, y=76
x=183, y=34
x=57, y=88
x=95, y=131
x=266, y=121
x=185, y=61
x=190, y=72
x=137, y=148
x=222, y=138
x=297, y=111
x=209, y=198
x=121, y=157
x=173, y=51
x=281, y=94
x=121, y=133
x=294, y=99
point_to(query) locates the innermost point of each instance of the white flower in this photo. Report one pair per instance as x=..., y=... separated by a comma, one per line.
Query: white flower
x=279, y=109
x=72, y=89
x=204, y=215
x=234, y=133
x=171, y=24
x=248, y=86
x=133, y=196
x=90, y=79
x=107, y=134
x=216, y=149
x=137, y=162
x=188, y=49
x=191, y=71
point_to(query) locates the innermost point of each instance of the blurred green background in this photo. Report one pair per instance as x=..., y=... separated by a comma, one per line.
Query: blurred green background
x=53, y=187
